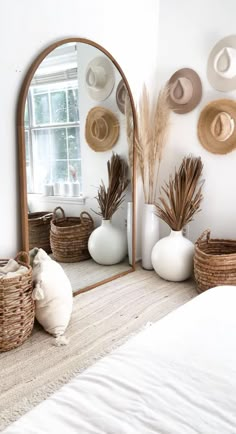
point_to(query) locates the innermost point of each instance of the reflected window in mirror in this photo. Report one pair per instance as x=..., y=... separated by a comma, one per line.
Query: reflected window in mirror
x=52, y=123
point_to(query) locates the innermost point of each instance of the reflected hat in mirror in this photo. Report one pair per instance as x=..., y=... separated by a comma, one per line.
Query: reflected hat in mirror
x=217, y=126
x=101, y=129
x=100, y=78
x=221, y=66
x=185, y=90
x=121, y=93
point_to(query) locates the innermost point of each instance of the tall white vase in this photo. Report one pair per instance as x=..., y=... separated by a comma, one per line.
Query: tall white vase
x=107, y=244
x=130, y=231
x=150, y=234
x=172, y=257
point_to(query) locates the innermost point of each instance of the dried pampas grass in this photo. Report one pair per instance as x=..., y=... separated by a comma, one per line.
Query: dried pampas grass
x=153, y=124
x=109, y=199
x=129, y=123
x=182, y=195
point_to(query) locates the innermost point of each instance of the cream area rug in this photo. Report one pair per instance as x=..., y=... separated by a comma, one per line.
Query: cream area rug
x=102, y=319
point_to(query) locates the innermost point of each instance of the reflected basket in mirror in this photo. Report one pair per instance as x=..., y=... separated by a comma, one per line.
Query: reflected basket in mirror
x=39, y=230
x=69, y=236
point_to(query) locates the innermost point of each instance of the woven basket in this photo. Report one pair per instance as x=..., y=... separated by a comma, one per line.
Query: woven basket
x=69, y=236
x=39, y=230
x=17, y=309
x=214, y=262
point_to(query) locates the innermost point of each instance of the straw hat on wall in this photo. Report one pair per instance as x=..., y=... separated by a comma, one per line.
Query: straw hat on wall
x=217, y=126
x=100, y=78
x=101, y=129
x=221, y=66
x=185, y=90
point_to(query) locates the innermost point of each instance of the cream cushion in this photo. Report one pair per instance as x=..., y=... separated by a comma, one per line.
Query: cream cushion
x=52, y=294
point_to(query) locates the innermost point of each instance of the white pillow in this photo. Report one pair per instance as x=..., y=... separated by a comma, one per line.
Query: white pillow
x=53, y=294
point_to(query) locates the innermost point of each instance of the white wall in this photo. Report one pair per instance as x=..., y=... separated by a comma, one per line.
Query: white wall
x=187, y=32
x=127, y=29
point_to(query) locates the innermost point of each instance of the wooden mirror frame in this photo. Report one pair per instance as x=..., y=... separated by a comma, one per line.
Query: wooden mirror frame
x=22, y=154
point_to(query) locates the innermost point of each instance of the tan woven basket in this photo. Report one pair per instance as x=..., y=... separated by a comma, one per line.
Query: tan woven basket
x=69, y=236
x=17, y=310
x=39, y=230
x=214, y=262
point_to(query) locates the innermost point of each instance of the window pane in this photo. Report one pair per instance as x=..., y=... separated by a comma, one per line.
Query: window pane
x=59, y=171
x=28, y=177
x=58, y=104
x=74, y=170
x=26, y=115
x=41, y=159
x=41, y=109
x=74, y=142
x=27, y=145
x=41, y=145
x=59, y=149
x=73, y=105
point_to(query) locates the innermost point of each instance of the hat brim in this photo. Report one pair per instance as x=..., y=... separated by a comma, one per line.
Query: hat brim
x=101, y=94
x=114, y=129
x=220, y=83
x=206, y=117
x=120, y=104
x=197, y=90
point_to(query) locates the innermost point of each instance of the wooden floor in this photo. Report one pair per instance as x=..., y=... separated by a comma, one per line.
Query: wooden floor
x=102, y=319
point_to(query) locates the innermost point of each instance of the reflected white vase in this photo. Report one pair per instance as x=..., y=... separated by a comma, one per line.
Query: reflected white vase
x=150, y=234
x=130, y=231
x=172, y=257
x=107, y=244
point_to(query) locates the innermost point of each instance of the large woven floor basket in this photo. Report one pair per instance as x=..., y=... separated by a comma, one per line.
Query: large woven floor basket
x=214, y=262
x=69, y=236
x=39, y=230
x=17, y=310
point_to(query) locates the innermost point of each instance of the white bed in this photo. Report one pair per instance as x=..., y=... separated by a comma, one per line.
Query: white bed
x=176, y=377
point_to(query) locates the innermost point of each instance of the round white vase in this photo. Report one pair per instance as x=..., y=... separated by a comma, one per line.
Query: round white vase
x=107, y=244
x=172, y=257
x=150, y=234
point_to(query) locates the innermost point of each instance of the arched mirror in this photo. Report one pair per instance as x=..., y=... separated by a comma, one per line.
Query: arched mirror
x=76, y=123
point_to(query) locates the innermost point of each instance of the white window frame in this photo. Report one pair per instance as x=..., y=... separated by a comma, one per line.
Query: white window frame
x=32, y=126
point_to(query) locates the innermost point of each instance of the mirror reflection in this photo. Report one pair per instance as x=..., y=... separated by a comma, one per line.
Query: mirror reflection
x=79, y=147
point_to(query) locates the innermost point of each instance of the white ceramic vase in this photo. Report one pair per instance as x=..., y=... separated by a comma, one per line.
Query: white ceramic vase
x=130, y=231
x=172, y=257
x=107, y=244
x=150, y=234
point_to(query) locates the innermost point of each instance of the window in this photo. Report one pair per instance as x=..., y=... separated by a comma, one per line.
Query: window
x=52, y=134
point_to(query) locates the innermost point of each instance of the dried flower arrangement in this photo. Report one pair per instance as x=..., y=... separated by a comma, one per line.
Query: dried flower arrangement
x=153, y=124
x=109, y=199
x=129, y=123
x=182, y=194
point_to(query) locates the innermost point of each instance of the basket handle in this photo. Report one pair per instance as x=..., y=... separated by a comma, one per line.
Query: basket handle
x=207, y=234
x=58, y=208
x=23, y=258
x=82, y=214
x=44, y=218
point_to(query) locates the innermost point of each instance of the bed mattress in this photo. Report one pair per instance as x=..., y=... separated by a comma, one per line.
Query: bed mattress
x=177, y=376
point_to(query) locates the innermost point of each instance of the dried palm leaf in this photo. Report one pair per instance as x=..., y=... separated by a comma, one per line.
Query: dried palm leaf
x=182, y=195
x=109, y=199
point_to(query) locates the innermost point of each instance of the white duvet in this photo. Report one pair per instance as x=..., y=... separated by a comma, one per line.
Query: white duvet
x=176, y=377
